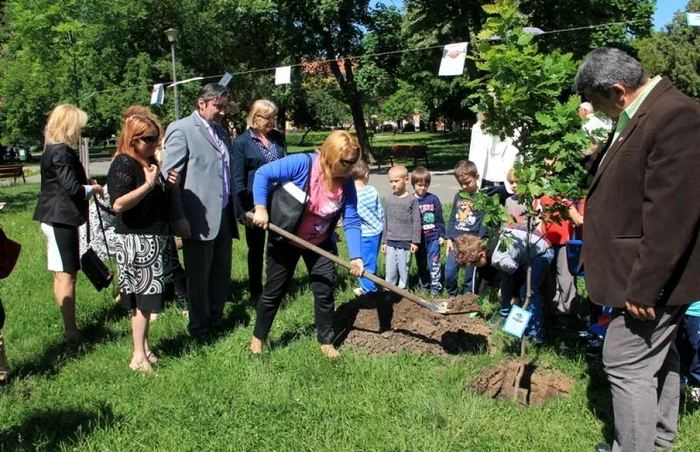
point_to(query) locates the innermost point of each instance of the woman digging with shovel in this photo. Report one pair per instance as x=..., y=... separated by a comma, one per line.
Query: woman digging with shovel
x=323, y=181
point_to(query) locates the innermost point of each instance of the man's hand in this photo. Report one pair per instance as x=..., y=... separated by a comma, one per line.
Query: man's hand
x=640, y=311
x=358, y=267
x=182, y=228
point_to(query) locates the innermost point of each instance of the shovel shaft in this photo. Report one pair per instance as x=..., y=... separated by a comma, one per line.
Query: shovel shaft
x=372, y=277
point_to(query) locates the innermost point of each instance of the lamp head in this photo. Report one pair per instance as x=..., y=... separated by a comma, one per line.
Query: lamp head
x=171, y=33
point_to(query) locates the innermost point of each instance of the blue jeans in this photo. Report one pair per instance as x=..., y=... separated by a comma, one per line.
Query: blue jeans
x=370, y=250
x=540, y=266
x=428, y=260
x=692, y=328
x=452, y=277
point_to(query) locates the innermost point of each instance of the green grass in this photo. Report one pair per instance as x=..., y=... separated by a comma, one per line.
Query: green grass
x=217, y=397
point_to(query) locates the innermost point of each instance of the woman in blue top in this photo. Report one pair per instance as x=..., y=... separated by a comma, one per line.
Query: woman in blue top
x=331, y=194
x=260, y=144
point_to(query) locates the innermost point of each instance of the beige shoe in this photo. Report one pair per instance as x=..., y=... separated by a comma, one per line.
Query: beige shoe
x=4, y=365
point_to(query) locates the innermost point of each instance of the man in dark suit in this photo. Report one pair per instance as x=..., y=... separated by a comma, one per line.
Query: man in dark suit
x=641, y=240
x=203, y=208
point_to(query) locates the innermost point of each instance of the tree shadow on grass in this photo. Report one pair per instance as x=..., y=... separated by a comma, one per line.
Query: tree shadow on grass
x=56, y=429
x=57, y=354
x=599, y=397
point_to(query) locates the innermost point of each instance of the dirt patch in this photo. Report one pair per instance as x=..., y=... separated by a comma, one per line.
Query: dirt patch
x=381, y=323
x=536, y=386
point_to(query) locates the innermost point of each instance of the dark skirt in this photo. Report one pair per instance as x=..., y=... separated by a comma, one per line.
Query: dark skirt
x=146, y=265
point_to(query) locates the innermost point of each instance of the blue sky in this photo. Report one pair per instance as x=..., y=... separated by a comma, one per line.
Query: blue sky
x=665, y=10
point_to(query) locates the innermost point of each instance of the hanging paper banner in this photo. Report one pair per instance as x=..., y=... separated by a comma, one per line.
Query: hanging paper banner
x=180, y=82
x=453, y=56
x=225, y=80
x=693, y=19
x=283, y=75
x=158, y=94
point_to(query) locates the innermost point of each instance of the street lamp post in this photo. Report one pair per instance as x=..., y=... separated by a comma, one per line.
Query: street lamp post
x=171, y=33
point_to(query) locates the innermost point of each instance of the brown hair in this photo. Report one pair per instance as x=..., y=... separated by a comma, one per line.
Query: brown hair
x=467, y=249
x=466, y=168
x=135, y=126
x=360, y=170
x=420, y=175
x=65, y=124
x=338, y=145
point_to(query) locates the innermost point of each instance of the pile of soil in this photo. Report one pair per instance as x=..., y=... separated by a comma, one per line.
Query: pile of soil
x=381, y=323
x=536, y=386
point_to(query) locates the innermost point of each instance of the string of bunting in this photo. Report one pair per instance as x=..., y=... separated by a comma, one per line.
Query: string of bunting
x=452, y=63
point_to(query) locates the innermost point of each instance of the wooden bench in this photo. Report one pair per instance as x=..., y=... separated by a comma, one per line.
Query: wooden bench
x=14, y=171
x=414, y=151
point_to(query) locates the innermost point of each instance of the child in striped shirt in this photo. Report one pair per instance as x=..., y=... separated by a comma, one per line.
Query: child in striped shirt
x=371, y=213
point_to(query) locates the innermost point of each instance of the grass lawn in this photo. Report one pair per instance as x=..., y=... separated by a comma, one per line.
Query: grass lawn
x=217, y=397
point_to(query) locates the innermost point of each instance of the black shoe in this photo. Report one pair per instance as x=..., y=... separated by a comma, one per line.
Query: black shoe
x=602, y=447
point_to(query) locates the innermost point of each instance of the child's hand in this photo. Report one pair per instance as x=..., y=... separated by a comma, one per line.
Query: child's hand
x=441, y=241
x=383, y=249
x=448, y=246
x=414, y=248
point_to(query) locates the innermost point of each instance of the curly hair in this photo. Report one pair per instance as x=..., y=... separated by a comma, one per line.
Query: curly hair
x=467, y=249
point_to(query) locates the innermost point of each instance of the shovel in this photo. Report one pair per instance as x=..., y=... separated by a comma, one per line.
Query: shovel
x=440, y=308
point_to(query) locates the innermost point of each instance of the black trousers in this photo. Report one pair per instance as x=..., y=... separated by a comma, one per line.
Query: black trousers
x=282, y=258
x=2, y=315
x=255, y=238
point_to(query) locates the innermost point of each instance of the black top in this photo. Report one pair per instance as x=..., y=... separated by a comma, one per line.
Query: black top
x=62, y=197
x=150, y=215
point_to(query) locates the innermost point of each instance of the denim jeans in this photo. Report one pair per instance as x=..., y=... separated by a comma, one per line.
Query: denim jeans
x=428, y=260
x=692, y=328
x=452, y=277
x=540, y=267
x=370, y=250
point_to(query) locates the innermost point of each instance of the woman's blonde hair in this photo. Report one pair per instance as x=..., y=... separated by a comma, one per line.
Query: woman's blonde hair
x=134, y=128
x=339, y=144
x=65, y=124
x=261, y=107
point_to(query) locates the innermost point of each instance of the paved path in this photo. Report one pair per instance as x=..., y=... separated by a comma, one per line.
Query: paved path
x=443, y=183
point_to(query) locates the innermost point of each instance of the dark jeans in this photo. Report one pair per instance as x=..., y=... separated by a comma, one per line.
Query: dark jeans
x=282, y=259
x=255, y=239
x=452, y=277
x=692, y=328
x=428, y=260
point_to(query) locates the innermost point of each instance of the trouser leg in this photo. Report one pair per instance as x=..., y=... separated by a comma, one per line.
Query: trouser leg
x=392, y=269
x=370, y=249
x=451, y=275
x=434, y=264
x=198, y=256
x=255, y=239
x=282, y=260
x=692, y=327
x=565, y=292
x=422, y=264
x=220, y=270
x=641, y=364
x=403, y=258
x=322, y=276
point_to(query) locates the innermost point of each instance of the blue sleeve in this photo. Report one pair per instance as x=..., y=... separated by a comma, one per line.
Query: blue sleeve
x=351, y=221
x=439, y=219
x=294, y=168
x=451, y=222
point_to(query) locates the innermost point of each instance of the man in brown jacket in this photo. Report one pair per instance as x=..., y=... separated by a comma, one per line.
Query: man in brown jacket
x=641, y=240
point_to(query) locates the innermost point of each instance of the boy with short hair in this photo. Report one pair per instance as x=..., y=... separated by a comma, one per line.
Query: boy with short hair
x=402, y=229
x=433, y=230
x=508, y=257
x=371, y=213
x=463, y=220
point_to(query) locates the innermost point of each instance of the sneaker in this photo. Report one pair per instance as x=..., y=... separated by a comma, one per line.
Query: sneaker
x=358, y=292
x=695, y=394
x=594, y=348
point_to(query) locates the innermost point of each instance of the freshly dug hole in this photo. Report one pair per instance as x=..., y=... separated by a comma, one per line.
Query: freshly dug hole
x=536, y=386
x=381, y=323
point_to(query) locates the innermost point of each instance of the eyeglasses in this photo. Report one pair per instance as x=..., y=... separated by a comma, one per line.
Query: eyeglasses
x=150, y=139
x=348, y=163
x=267, y=118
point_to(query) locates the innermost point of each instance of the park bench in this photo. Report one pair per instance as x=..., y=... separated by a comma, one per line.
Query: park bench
x=14, y=171
x=407, y=151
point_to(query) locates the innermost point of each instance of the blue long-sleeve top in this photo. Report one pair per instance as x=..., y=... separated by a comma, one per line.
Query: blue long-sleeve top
x=432, y=222
x=463, y=218
x=296, y=168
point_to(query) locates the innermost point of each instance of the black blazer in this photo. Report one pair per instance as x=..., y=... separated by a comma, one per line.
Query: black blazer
x=247, y=158
x=62, y=197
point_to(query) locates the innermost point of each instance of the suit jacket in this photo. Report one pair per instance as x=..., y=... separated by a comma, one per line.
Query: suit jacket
x=62, y=196
x=643, y=209
x=191, y=150
x=247, y=158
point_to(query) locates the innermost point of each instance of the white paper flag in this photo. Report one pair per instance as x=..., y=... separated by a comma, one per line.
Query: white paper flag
x=158, y=94
x=453, y=56
x=283, y=75
x=693, y=19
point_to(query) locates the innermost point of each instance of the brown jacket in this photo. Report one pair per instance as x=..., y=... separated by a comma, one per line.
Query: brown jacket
x=643, y=210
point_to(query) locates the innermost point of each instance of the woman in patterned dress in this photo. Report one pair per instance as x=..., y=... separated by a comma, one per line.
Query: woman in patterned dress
x=139, y=199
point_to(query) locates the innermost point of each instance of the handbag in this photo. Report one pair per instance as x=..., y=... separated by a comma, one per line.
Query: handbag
x=287, y=204
x=574, y=255
x=9, y=254
x=96, y=271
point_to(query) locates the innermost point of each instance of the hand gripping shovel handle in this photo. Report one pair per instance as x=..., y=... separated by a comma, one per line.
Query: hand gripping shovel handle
x=440, y=308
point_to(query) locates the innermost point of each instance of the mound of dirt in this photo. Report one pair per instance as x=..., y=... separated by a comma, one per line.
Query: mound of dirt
x=381, y=323
x=536, y=386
